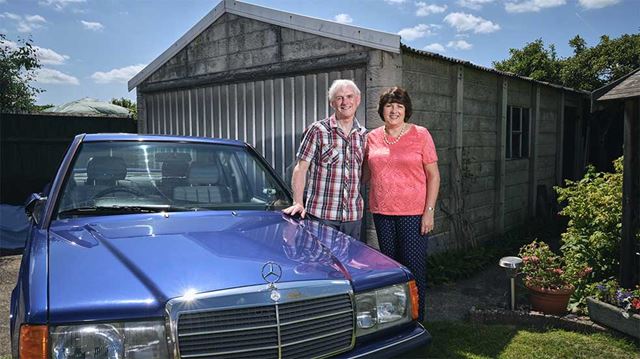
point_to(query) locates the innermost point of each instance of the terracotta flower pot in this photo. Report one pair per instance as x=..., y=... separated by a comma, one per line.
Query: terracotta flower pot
x=550, y=301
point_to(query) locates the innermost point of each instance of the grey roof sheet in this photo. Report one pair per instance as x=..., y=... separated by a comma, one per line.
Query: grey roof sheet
x=484, y=68
x=628, y=87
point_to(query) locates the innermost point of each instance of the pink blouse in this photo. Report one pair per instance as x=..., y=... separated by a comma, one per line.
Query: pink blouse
x=398, y=184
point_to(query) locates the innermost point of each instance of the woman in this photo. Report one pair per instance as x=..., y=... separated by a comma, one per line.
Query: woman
x=402, y=165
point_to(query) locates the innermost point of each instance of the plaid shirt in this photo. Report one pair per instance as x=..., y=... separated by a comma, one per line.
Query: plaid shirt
x=333, y=182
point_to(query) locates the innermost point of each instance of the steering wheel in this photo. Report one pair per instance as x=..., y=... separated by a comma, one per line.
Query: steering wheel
x=116, y=189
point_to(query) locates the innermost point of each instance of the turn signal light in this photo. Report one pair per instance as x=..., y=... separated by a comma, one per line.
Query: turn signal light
x=34, y=341
x=415, y=301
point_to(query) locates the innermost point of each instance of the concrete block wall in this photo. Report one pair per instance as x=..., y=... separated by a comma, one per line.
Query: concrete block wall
x=431, y=85
x=548, y=137
x=239, y=43
x=480, y=107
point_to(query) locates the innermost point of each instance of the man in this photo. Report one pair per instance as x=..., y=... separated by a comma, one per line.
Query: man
x=331, y=152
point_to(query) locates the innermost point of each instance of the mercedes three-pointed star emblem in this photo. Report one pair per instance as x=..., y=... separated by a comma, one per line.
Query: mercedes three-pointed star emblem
x=271, y=273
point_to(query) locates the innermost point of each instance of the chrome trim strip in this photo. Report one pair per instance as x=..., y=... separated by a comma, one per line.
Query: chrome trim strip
x=279, y=333
x=225, y=331
x=316, y=338
x=229, y=352
x=316, y=317
x=390, y=345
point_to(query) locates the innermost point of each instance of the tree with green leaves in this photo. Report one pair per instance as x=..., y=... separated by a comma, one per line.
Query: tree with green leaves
x=533, y=60
x=593, y=67
x=587, y=69
x=18, y=65
x=128, y=104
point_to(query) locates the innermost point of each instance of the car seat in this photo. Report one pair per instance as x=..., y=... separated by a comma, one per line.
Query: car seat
x=204, y=185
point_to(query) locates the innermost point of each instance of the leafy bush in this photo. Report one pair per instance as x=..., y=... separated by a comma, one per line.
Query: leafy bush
x=592, y=238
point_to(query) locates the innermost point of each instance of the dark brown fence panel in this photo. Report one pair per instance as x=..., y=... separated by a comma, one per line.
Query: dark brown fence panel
x=32, y=146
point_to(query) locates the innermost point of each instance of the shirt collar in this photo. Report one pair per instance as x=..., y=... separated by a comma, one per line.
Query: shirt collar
x=333, y=123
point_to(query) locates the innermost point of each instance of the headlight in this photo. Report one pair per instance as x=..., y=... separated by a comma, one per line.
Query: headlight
x=135, y=340
x=382, y=308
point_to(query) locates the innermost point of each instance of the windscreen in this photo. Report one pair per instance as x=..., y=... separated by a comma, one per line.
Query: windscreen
x=133, y=177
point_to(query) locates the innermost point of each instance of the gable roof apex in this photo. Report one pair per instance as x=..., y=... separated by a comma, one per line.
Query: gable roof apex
x=348, y=33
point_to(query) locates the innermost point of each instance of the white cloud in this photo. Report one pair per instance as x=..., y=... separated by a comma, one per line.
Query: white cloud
x=59, y=4
x=11, y=16
x=597, y=4
x=416, y=32
x=46, y=56
x=435, y=47
x=531, y=5
x=343, y=18
x=27, y=23
x=49, y=57
x=121, y=75
x=395, y=2
x=467, y=22
x=473, y=4
x=459, y=45
x=94, y=26
x=425, y=9
x=50, y=76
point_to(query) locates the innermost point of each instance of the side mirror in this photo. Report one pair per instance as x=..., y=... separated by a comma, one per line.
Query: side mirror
x=34, y=206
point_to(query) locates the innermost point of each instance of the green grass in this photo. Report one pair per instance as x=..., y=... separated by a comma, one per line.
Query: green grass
x=464, y=340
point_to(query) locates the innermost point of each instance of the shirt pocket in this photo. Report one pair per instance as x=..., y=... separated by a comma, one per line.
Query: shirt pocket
x=330, y=155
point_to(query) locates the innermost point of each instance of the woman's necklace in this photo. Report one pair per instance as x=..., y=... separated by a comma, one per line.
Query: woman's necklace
x=386, y=140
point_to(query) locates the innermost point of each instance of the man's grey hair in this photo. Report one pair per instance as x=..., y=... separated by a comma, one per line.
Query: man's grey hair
x=338, y=84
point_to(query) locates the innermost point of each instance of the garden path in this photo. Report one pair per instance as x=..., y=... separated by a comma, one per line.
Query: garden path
x=486, y=289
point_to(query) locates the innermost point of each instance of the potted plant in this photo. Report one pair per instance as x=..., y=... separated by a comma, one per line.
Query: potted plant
x=615, y=307
x=549, y=280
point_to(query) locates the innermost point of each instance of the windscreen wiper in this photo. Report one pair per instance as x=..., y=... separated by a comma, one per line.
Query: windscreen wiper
x=106, y=210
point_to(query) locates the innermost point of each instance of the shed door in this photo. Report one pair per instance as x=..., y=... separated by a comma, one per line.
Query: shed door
x=270, y=114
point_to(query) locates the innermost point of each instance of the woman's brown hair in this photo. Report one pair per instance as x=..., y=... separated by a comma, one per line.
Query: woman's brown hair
x=395, y=95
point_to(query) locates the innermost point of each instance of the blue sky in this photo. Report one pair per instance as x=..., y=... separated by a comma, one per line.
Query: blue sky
x=91, y=48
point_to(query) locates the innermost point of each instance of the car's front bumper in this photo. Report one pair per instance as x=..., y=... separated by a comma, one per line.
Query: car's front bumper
x=389, y=347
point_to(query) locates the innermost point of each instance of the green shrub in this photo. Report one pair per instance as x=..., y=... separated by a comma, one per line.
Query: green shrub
x=592, y=238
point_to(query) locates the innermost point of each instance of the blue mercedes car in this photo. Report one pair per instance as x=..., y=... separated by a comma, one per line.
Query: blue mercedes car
x=176, y=247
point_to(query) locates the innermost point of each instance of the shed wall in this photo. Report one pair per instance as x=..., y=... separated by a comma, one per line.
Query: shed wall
x=483, y=185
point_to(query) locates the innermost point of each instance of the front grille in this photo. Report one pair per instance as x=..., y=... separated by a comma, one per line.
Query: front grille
x=303, y=329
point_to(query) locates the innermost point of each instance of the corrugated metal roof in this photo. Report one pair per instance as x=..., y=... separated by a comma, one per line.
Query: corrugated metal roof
x=483, y=68
x=628, y=87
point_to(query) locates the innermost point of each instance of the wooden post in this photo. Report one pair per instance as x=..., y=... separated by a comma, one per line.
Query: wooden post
x=629, y=258
x=560, y=140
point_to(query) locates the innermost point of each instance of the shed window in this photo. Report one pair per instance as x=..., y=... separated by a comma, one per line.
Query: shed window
x=517, y=132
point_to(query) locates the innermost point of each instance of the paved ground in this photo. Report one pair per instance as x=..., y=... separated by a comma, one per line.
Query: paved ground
x=8, y=275
x=487, y=289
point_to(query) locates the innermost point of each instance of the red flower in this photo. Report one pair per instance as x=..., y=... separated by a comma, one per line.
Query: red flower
x=635, y=303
